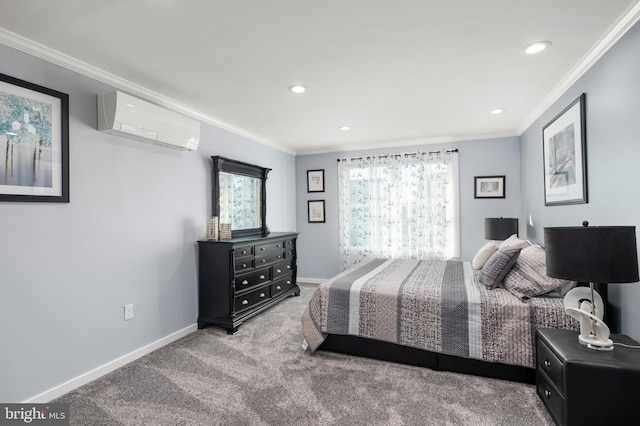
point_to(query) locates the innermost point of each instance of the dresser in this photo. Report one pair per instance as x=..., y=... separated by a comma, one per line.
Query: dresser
x=582, y=386
x=241, y=277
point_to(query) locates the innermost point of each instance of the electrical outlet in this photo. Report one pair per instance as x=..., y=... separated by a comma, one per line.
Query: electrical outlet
x=128, y=312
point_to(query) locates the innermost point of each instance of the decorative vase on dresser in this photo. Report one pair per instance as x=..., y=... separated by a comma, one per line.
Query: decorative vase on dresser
x=241, y=277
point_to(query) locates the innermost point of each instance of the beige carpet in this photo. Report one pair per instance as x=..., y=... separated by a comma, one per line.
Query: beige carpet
x=261, y=376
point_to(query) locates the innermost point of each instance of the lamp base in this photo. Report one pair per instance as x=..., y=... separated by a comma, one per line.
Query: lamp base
x=596, y=343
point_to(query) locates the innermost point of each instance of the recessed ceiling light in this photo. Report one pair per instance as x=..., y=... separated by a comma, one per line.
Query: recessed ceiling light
x=536, y=47
x=298, y=88
x=497, y=111
x=344, y=128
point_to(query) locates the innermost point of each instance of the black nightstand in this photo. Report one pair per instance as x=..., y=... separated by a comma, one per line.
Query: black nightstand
x=582, y=386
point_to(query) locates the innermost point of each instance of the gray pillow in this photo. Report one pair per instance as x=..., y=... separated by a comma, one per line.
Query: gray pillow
x=498, y=266
x=529, y=278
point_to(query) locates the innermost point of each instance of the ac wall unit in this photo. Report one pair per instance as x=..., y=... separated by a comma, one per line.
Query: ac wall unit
x=125, y=115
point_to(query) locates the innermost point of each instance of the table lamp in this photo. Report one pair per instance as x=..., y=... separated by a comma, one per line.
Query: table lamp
x=500, y=228
x=596, y=254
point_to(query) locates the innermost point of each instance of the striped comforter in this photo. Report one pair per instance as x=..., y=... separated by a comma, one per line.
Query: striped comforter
x=434, y=305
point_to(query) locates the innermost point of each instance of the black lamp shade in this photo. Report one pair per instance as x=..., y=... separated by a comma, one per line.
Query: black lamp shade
x=500, y=228
x=598, y=254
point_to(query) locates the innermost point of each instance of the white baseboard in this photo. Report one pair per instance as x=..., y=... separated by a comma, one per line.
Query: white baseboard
x=310, y=280
x=89, y=376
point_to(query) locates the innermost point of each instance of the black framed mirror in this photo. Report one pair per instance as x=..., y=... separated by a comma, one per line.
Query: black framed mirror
x=240, y=196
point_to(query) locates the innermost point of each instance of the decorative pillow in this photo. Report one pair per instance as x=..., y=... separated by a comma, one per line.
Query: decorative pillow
x=498, y=266
x=529, y=278
x=514, y=242
x=483, y=255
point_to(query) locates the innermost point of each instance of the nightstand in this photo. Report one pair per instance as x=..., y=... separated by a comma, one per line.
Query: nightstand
x=582, y=386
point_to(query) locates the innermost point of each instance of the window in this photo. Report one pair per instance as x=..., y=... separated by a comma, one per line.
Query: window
x=398, y=206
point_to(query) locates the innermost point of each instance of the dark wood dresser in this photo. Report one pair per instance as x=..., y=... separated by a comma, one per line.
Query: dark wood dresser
x=582, y=386
x=241, y=277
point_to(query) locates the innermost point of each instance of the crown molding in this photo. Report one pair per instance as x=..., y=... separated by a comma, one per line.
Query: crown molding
x=40, y=51
x=627, y=21
x=404, y=143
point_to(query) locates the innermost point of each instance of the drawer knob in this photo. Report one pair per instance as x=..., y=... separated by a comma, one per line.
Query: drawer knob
x=245, y=302
x=244, y=265
x=263, y=260
x=245, y=282
x=278, y=287
x=278, y=245
x=244, y=252
x=262, y=277
x=278, y=257
x=278, y=270
x=261, y=248
x=547, y=363
x=547, y=393
x=261, y=294
x=288, y=282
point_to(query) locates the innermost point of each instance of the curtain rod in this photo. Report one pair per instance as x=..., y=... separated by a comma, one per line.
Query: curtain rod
x=409, y=154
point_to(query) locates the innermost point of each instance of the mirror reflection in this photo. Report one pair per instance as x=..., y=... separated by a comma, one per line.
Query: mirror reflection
x=240, y=200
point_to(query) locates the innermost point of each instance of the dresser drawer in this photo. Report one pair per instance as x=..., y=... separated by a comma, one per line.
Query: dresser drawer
x=243, y=251
x=551, y=365
x=252, y=298
x=244, y=265
x=281, y=285
x=269, y=258
x=550, y=396
x=282, y=268
x=277, y=245
x=289, y=245
x=246, y=281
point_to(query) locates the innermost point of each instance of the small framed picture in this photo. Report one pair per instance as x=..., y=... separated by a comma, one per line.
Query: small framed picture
x=315, y=180
x=316, y=211
x=489, y=187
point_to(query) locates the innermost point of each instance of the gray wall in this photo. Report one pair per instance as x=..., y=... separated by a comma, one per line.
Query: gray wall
x=612, y=88
x=127, y=236
x=318, y=252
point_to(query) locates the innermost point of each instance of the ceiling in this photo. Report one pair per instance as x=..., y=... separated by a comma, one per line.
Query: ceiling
x=396, y=72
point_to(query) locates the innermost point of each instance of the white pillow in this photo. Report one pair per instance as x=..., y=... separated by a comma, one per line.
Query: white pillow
x=483, y=255
x=514, y=242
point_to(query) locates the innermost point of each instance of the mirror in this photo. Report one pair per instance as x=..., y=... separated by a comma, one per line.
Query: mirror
x=240, y=196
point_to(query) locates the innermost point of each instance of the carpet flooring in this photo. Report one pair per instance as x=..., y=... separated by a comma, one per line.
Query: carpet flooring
x=261, y=376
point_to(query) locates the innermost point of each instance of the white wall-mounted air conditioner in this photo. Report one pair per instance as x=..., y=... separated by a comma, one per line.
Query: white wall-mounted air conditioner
x=131, y=117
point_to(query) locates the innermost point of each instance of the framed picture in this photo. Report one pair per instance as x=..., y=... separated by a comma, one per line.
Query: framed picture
x=34, y=142
x=489, y=187
x=316, y=211
x=564, y=150
x=315, y=180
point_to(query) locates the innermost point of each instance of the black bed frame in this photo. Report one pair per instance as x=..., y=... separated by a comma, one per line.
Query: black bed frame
x=385, y=351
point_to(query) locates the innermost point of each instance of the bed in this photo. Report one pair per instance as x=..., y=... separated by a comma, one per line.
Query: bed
x=438, y=314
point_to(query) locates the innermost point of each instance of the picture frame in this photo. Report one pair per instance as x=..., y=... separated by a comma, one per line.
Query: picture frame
x=34, y=141
x=315, y=180
x=316, y=211
x=489, y=187
x=564, y=151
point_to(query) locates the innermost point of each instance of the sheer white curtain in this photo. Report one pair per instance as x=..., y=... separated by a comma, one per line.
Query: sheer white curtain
x=399, y=206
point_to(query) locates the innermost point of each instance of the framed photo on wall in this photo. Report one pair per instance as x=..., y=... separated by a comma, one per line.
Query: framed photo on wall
x=489, y=187
x=315, y=180
x=564, y=148
x=316, y=211
x=34, y=142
